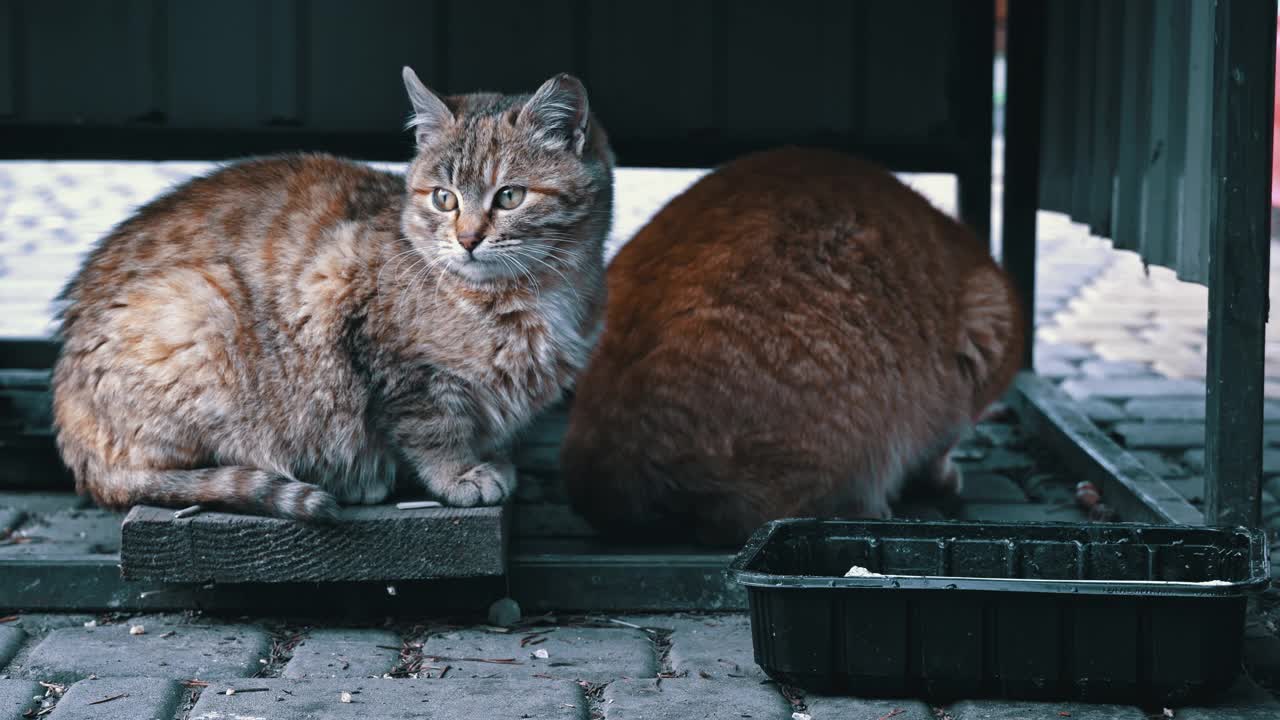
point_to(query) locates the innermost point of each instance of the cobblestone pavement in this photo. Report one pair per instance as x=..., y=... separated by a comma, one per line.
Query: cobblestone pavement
x=657, y=666
x=1128, y=345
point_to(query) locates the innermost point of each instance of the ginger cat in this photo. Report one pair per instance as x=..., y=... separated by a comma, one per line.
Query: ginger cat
x=797, y=334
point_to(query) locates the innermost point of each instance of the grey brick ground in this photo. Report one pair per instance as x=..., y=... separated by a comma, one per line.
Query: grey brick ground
x=335, y=653
x=1175, y=435
x=16, y=698
x=1005, y=710
x=191, y=651
x=68, y=532
x=991, y=488
x=715, y=645
x=693, y=697
x=1270, y=460
x=593, y=654
x=1121, y=389
x=1246, y=701
x=1102, y=411
x=996, y=460
x=821, y=707
x=11, y=640
x=120, y=699
x=395, y=700
x=41, y=502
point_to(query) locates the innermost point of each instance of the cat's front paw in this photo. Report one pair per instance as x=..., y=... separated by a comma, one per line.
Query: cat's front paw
x=485, y=484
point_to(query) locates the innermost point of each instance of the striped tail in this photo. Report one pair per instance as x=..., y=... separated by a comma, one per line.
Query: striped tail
x=234, y=488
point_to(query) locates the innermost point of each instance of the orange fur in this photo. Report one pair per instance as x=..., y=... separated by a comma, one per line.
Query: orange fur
x=794, y=335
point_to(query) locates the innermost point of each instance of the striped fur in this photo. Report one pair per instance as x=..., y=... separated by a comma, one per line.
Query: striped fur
x=278, y=336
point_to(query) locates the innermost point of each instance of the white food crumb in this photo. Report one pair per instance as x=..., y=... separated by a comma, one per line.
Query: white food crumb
x=800, y=715
x=137, y=630
x=344, y=697
x=91, y=624
x=859, y=571
x=541, y=654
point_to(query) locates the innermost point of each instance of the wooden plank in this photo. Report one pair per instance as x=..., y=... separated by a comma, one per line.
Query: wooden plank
x=1023, y=104
x=1127, y=485
x=1239, y=258
x=91, y=583
x=368, y=543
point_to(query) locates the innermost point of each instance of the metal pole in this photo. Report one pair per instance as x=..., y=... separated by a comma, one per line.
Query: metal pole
x=1239, y=257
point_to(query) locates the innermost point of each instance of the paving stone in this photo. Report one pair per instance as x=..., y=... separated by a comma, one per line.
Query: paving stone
x=1167, y=409
x=1102, y=411
x=1056, y=370
x=68, y=532
x=344, y=653
x=998, y=434
x=1160, y=464
x=11, y=640
x=991, y=488
x=823, y=707
x=1191, y=488
x=1245, y=701
x=191, y=651
x=593, y=654
x=1012, y=710
x=42, y=502
x=1131, y=388
x=1194, y=459
x=1182, y=365
x=693, y=697
x=1024, y=512
x=1116, y=369
x=1062, y=351
x=717, y=645
x=386, y=699
x=16, y=698
x=1165, y=436
x=996, y=460
x=125, y=699
x=1048, y=489
x=38, y=624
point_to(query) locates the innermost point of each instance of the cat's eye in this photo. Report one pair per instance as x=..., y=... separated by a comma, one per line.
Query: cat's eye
x=509, y=197
x=444, y=200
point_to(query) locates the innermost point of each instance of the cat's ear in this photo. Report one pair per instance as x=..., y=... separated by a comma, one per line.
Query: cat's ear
x=559, y=110
x=430, y=114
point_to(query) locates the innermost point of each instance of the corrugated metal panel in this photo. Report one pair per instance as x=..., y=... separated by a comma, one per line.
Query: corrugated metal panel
x=1127, y=124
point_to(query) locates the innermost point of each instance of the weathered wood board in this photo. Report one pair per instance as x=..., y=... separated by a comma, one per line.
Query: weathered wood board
x=367, y=544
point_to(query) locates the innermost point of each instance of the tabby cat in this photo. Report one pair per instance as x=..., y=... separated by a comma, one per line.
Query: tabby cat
x=797, y=334
x=277, y=336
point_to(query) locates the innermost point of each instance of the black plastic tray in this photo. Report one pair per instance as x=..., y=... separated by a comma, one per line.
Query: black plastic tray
x=1102, y=613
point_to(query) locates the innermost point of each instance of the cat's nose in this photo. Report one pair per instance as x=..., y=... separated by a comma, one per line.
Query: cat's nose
x=470, y=241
